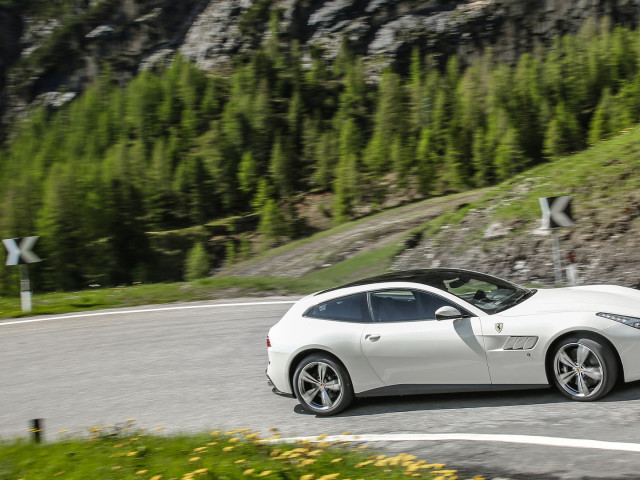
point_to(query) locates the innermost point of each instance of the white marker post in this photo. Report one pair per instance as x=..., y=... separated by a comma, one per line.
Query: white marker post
x=20, y=253
x=556, y=213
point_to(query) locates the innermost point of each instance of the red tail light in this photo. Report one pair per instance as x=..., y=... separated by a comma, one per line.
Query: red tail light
x=268, y=342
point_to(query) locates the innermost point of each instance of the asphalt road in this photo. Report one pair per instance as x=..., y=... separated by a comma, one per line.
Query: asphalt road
x=202, y=367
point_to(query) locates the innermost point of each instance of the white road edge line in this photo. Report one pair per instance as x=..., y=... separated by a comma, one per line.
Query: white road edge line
x=145, y=310
x=474, y=437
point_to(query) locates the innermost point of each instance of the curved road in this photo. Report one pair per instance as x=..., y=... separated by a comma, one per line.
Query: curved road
x=201, y=366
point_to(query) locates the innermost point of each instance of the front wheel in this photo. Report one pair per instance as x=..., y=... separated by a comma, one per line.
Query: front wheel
x=584, y=369
x=322, y=385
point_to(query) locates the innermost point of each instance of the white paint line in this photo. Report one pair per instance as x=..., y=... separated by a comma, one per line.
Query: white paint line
x=473, y=437
x=145, y=310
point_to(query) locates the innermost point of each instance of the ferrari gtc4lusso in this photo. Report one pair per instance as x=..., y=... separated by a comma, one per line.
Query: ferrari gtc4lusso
x=452, y=330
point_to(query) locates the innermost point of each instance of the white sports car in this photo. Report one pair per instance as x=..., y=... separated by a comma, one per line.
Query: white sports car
x=451, y=330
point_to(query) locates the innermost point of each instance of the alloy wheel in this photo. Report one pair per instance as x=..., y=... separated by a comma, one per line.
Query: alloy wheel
x=320, y=385
x=578, y=370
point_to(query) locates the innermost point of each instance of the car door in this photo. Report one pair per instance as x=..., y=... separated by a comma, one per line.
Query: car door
x=405, y=344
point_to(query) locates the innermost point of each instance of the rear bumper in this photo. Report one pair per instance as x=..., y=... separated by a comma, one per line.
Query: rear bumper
x=275, y=390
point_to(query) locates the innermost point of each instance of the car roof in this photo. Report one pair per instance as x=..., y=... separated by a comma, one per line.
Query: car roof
x=433, y=277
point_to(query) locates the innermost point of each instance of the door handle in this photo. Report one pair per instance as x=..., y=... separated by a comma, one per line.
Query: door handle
x=372, y=337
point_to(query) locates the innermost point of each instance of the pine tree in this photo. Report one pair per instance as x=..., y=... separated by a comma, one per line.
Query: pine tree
x=509, y=159
x=196, y=263
x=281, y=168
x=563, y=134
x=389, y=123
x=272, y=223
x=347, y=176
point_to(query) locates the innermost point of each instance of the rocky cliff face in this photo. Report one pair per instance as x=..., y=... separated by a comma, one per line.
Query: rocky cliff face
x=46, y=60
x=385, y=31
x=10, y=32
x=133, y=34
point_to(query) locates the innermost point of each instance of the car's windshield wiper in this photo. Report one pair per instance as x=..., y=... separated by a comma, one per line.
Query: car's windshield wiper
x=519, y=298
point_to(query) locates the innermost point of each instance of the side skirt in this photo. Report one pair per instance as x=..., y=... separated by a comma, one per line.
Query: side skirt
x=425, y=389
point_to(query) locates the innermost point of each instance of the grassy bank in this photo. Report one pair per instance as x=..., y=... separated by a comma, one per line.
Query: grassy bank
x=370, y=263
x=119, y=453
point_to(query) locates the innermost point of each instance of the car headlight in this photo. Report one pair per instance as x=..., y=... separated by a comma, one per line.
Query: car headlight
x=631, y=321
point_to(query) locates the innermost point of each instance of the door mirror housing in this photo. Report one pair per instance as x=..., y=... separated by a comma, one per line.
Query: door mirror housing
x=448, y=313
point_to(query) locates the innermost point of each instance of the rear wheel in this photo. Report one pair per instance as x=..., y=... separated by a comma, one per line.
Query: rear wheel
x=584, y=369
x=322, y=385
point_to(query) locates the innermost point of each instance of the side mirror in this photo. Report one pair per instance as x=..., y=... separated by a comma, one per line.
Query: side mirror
x=447, y=313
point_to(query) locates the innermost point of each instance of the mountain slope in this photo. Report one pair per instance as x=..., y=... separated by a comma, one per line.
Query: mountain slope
x=496, y=230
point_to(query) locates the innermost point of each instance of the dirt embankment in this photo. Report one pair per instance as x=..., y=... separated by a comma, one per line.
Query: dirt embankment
x=372, y=233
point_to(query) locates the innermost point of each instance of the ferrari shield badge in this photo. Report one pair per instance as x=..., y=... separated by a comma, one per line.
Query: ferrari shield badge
x=499, y=327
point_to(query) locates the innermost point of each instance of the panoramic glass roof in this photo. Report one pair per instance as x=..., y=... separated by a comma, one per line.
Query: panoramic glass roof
x=434, y=277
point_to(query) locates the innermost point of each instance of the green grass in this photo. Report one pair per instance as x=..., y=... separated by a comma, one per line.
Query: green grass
x=118, y=453
x=204, y=289
x=604, y=177
x=604, y=182
x=366, y=264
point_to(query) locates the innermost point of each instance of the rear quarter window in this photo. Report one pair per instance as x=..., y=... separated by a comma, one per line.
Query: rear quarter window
x=352, y=308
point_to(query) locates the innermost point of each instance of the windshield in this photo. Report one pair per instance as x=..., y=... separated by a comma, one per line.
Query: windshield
x=488, y=293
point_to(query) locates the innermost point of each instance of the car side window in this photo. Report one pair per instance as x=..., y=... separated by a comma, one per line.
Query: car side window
x=406, y=305
x=352, y=308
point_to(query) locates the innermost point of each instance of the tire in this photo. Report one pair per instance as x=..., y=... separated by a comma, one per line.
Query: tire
x=322, y=385
x=583, y=369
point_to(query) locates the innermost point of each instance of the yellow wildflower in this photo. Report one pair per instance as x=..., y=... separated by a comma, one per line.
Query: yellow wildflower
x=265, y=473
x=240, y=461
x=216, y=432
x=200, y=449
x=227, y=449
x=233, y=440
x=194, y=459
x=336, y=460
x=132, y=454
x=141, y=472
x=331, y=476
x=117, y=467
x=322, y=437
x=156, y=477
x=159, y=428
x=248, y=471
x=308, y=476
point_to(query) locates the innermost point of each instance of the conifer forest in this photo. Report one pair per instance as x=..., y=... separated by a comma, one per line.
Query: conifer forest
x=125, y=180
